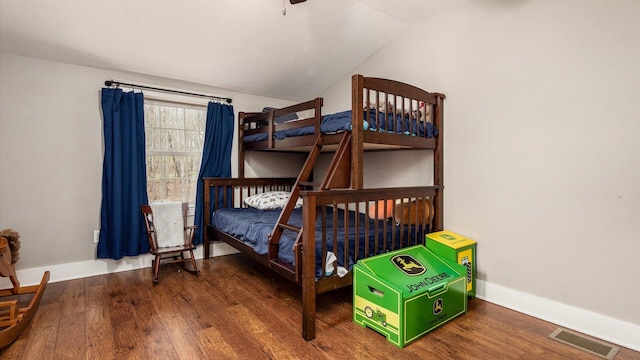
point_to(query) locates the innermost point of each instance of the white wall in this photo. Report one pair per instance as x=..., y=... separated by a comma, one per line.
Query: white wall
x=51, y=153
x=541, y=143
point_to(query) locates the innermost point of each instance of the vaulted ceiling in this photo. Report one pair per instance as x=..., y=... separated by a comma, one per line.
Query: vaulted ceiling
x=248, y=46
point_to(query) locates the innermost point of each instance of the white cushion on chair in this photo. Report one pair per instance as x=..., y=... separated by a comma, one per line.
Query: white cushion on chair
x=169, y=223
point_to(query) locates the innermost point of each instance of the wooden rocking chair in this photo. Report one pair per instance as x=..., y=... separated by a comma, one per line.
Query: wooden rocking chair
x=13, y=318
x=172, y=253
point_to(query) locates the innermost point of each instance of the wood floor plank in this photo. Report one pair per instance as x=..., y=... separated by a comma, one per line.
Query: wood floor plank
x=128, y=339
x=264, y=322
x=44, y=332
x=214, y=344
x=95, y=291
x=271, y=288
x=204, y=315
x=71, y=340
x=368, y=345
x=156, y=340
x=182, y=337
x=15, y=350
x=53, y=293
x=99, y=334
x=179, y=296
x=265, y=339
x=235, y=334
x=73, y=297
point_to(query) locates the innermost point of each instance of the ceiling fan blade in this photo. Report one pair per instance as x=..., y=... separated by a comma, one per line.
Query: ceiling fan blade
x=293, y=2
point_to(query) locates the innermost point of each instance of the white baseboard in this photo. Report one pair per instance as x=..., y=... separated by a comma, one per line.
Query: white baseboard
x=616, y=331
x=82, y=269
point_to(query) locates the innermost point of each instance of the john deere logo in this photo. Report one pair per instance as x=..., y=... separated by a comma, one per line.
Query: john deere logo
x=437, y=306
x=408, y=265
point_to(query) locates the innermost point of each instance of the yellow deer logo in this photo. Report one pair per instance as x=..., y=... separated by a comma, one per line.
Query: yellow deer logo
x=408, y=265
x=438, y=305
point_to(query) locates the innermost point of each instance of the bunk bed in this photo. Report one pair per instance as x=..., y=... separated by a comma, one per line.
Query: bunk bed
x=312, y=232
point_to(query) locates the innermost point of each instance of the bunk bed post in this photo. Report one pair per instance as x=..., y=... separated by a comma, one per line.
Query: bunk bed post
x=317, y=113
x=207, y=218
x=241, y=116
x=438, y=162
x=309, y=268
x=357, y=141
x=272, y=122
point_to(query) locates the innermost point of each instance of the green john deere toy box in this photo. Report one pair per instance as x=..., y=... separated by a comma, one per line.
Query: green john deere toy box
x=406, y=293
x=458, y=248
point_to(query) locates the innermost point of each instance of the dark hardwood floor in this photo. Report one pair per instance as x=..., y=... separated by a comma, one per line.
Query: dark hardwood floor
x=236, y=309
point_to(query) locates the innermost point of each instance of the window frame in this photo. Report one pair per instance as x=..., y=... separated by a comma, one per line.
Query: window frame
x=184, y=188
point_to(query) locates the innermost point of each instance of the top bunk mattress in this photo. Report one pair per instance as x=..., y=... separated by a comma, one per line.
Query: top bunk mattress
x=376, y=121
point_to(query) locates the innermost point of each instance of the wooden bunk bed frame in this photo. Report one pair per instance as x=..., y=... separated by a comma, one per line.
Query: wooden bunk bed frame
x=341, y=188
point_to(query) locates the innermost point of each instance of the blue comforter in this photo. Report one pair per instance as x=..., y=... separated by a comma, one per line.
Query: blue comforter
x=253, y=226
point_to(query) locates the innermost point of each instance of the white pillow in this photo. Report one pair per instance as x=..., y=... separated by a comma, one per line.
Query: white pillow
x=270, y=200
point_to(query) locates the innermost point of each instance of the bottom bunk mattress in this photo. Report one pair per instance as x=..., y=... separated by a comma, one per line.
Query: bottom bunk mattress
x=253, y=226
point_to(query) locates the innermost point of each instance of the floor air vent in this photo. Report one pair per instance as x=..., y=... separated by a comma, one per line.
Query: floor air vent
x=582, y=342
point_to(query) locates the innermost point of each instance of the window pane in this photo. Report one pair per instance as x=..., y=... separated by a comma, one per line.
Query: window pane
x=172, y=118
x=192, y=166
x=194, y=119
x=174, y=190
x=153, y=139
x=154, y=167
x=151, y=116
x=192, y=182
x=173, y=167
x=173, y=140
x=155, y=190
x=193, y=141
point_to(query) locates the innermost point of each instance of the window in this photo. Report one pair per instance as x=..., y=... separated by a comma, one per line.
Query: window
x=174, y=138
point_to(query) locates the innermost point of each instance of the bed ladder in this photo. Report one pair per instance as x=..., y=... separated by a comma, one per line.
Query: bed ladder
x=338, y=176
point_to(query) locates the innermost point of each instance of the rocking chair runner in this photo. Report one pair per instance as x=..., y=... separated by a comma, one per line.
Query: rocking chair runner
x=171, y=253
x=13, y=318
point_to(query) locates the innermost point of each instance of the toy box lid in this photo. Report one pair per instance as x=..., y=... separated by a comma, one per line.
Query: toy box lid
x=451, y=239
x=413, y=270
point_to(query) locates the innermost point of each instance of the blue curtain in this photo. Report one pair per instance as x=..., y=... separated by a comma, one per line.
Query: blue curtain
x=216, y=156
x=124, y=177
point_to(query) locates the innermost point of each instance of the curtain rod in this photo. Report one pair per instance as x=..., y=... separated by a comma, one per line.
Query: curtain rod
x=118, y=83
